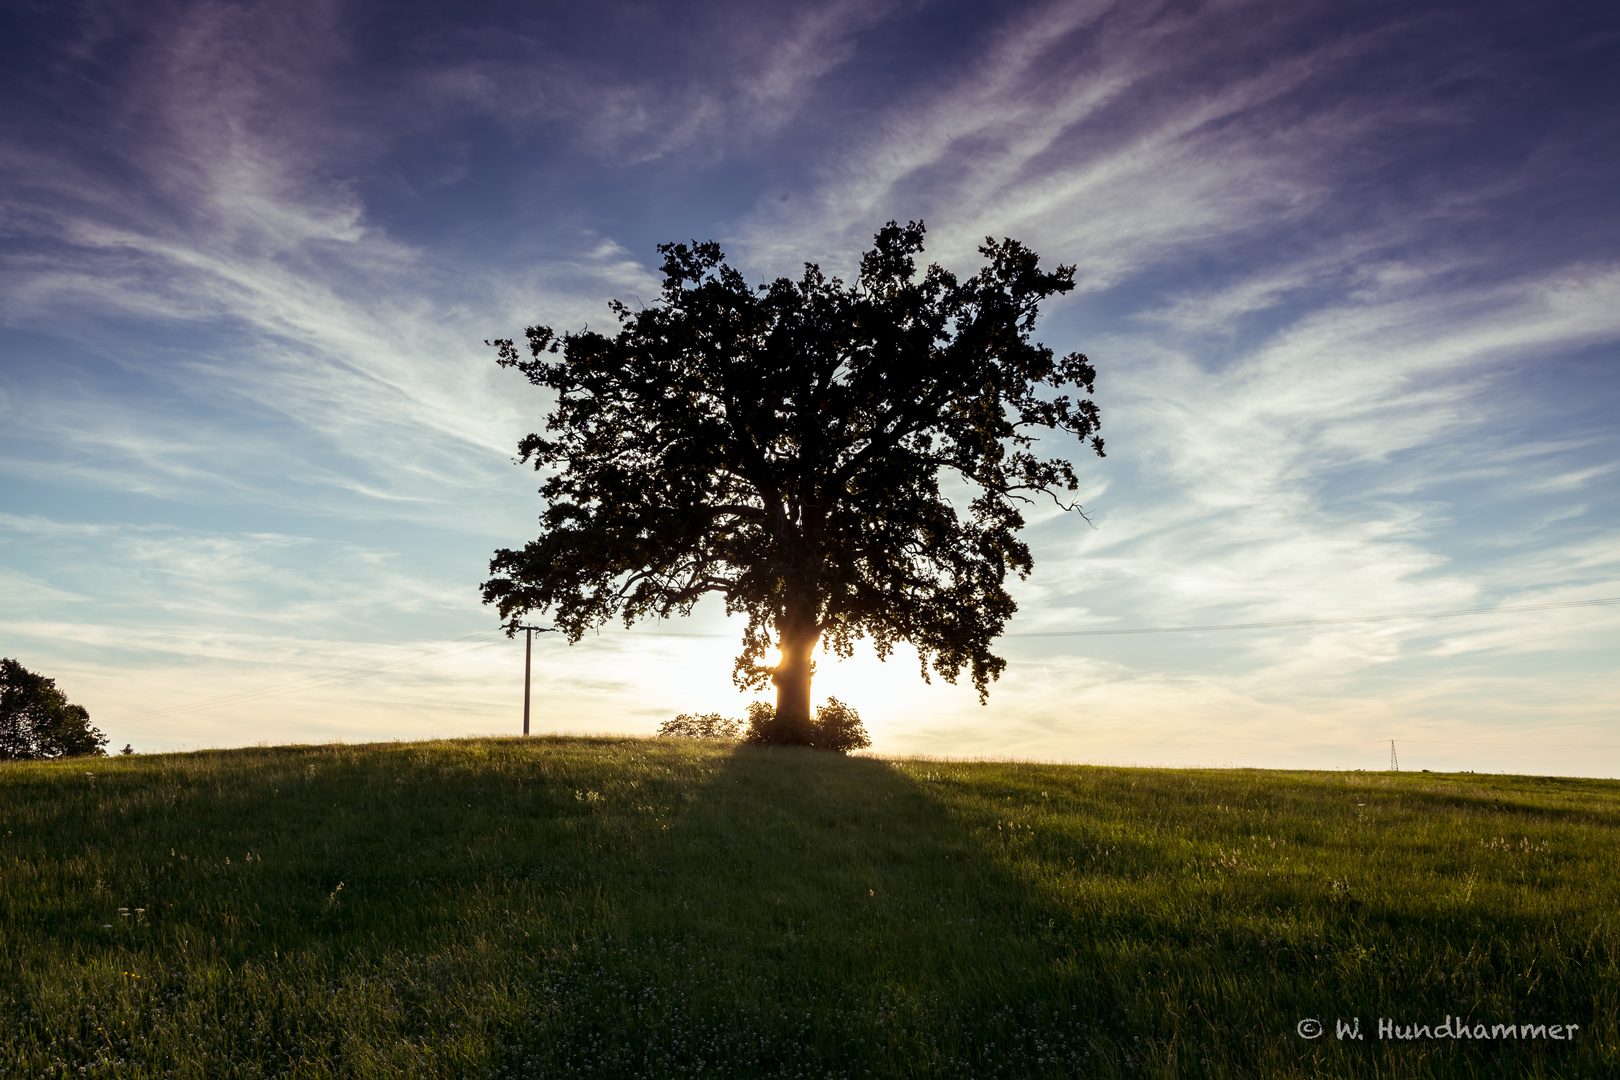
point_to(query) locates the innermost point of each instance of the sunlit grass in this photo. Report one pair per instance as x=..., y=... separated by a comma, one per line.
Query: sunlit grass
x=557, y=907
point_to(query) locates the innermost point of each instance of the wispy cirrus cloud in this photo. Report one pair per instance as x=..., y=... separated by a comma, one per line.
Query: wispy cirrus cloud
x=234, y=236
x=1300, y=478
x=713, y=78
x=1155, y=138
x=1062, y=129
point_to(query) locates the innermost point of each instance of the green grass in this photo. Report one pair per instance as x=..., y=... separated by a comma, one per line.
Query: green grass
x=615, y=908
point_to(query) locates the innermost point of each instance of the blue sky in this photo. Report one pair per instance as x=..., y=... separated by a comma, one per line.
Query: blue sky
x=1350, y=275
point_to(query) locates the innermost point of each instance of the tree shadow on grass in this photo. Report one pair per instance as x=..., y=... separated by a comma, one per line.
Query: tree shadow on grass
x=818, y=915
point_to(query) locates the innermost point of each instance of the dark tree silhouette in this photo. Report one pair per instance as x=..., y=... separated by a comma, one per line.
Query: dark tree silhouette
x=38, y=721
x=783, y=445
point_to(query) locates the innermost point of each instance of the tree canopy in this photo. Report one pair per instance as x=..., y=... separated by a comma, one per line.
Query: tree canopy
x=38, y=721
x=783, y=446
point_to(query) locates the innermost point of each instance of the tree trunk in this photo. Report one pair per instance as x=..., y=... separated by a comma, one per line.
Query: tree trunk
x=797, y=640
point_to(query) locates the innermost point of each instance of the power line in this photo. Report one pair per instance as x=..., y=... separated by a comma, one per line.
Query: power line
x=1351, y=744
x=312, y=682
x=1559, y=745
x=1453, y=614
x=1601, y=602
x=421, y=656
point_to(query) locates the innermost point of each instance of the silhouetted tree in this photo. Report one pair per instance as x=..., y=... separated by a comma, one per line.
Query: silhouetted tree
x=783, y=446
x=38, y=721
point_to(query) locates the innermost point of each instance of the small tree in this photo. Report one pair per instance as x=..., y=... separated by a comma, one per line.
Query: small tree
x=38, y=721
x=782, y=446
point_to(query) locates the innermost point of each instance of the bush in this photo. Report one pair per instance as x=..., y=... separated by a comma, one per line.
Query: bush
x=765, y=728
x=701, y=726
x=836, y=727
x=38, y=721
x=839, y=728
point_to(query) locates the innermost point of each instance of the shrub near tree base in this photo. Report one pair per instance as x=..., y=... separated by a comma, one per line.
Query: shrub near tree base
x=839, y=728
x=836, y=727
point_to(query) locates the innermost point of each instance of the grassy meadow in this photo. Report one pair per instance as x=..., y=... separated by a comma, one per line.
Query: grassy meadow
x=559, y=907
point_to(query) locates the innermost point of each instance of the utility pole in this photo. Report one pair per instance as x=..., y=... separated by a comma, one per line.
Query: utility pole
x=528, y=653
x=1394, y=762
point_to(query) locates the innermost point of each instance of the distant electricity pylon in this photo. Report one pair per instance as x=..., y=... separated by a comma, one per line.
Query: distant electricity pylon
x=1394, y=762
x=528, y=653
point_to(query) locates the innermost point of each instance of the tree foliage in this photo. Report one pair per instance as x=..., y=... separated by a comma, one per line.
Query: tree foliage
x=38, y=721
x=783, y=447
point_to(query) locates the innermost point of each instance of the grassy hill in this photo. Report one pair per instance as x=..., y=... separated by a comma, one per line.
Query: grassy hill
x=617, y=907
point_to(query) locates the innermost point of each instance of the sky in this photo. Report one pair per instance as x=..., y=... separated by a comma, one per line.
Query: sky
x=1349, y=274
